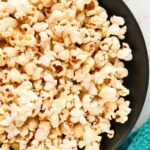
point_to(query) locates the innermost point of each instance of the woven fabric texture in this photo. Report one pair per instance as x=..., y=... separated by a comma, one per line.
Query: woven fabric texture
x=139, y=139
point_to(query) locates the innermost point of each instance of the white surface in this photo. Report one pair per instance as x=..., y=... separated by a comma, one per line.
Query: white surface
x=141, y=11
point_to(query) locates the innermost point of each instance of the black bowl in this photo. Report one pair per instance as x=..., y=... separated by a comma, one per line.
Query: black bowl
x=137, y=81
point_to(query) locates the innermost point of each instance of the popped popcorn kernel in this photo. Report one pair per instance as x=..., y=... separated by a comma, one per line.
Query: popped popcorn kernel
x=108, y=93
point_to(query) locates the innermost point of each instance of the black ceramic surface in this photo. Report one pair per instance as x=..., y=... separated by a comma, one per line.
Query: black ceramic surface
x=137, y=81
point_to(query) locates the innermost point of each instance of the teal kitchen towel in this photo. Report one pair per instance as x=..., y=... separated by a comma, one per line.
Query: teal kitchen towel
x=139, y=139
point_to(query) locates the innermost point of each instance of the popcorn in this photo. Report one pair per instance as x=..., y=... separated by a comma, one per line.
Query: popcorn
x=101, y=58
x=14, y=75
x=93, y=146
x=114, y=29
x=27, y=29
x=28, y=40
x=88, y=135
x=24, y=131
x=90, y=47
x=42, y=131
x=78, y=57
x=80, y=4
x=38, y=73
x=61, y=74
x=77, y=116
x=32, y=124
x=39, y=27
x=54, y=121
x=10, y=51
x=58, y=47
x=56, y=16
x=77, y=102
x=95, y=11
x=117, y=20
x=104, y=125
x=5, y=147
x=75, y=36
x=15, y=145
x=125, y=53
x=68, y=144
x=108, y=93
x=47, y=76
x=81, y=17
x=65, y=129
x=8, y=22
x=78, y=131
x=57, y=6
x=111, y=43
x=12, y=131
x=70, y=14
x=90, y=35
x=121, y=72
x=111, y=134
x=58, y=68
x=44, y=60
x=97, y=21
x=44, y=39
x=30, y=68
x=95, y=109
x=22, y=59
x=64, y=55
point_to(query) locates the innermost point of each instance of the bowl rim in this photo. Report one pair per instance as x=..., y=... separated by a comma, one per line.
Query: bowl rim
x=146, y=77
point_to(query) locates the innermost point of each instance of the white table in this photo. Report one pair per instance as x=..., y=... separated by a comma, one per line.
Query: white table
x=141, y=11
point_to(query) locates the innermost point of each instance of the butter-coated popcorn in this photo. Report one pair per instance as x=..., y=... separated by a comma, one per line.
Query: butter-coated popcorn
x=8, y=22
x=125, y=53
x=101, y=58
x=14, y=75
x=42, y=131
x=121, y=72
x=65, y=129
x=11, y=62
x=22, y=59
x=5, y=147
x=28, y=40
x=75, y=36
x=30, y=68
x=32, y=124
x=44, y=60
x=54, y=120
x=97, y=21
x=10, y=51
x=50, y=85
x=77, y=116
x=39, y=27
x=118, y=63
x=108, y=93
x=64, y=55
x=68, y=144
x=61, y=74
x=81, y=17
x=123, y=111
x=26, y=28
x=117, y=20
x=114, y=29
x=59, y=47
x=58, y=6
x=55, y=16
x=37, y=73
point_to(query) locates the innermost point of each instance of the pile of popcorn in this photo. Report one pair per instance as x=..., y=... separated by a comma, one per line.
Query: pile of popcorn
x=61, y=74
